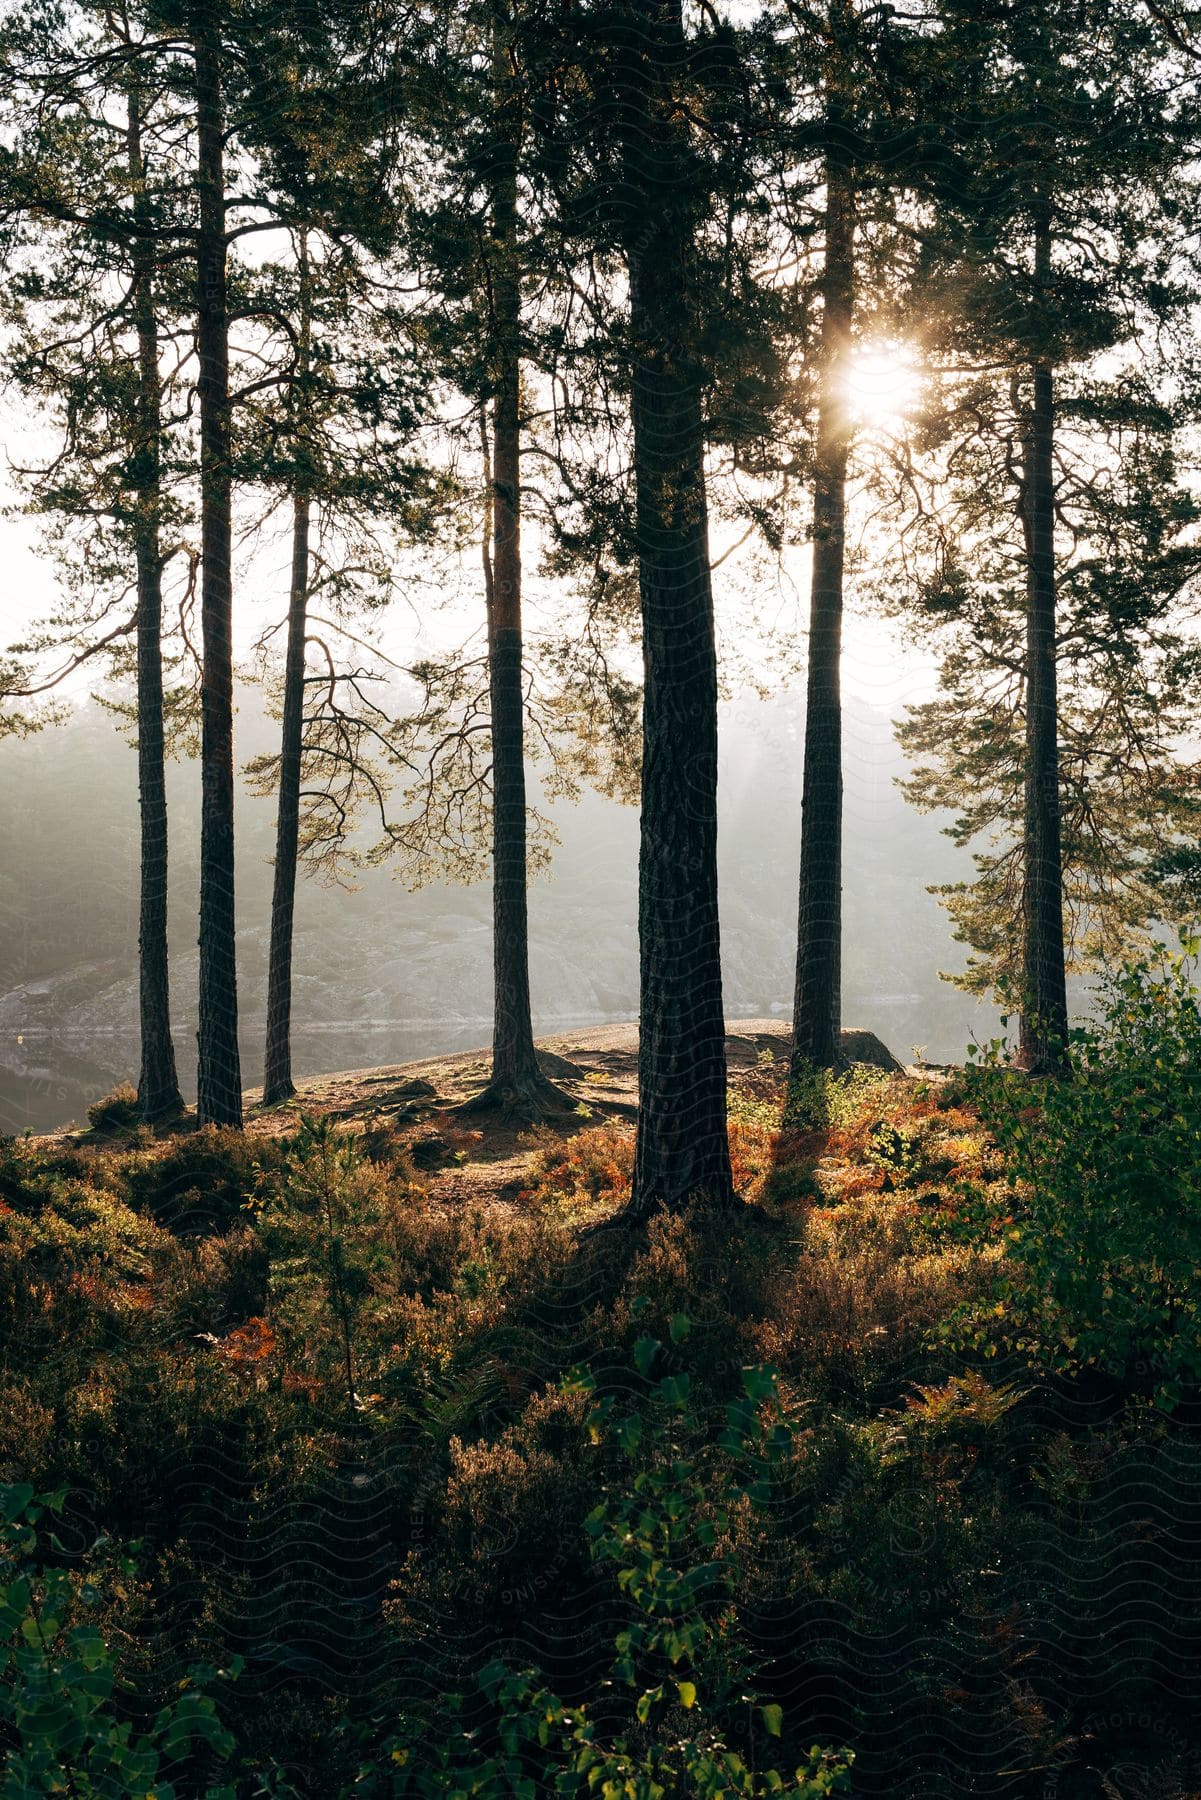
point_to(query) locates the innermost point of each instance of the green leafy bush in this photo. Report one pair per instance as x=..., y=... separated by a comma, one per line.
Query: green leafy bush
x=72, y=1258
x=1105, y=1177
x=202, y=1183
x=681, y=1672
x=831, y=1097
x=323, y=1222
x=62, y=1732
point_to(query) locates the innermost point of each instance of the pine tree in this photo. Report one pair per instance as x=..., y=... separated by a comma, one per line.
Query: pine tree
x=158, y=1085
x=277, y=1065
x=85, y=300
x=322, y=422
x=473, y=129
x=682, y=1145
x=1072, y=127
x=516, y=1084
x=858, y=103
x=648, y=143
x=329, y=438
x=1127, y=660
x=817, y=1007
x=218, y=1069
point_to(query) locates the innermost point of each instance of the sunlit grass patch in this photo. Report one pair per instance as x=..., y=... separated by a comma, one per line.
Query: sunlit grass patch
x=863, y=1295
x=584, y=1173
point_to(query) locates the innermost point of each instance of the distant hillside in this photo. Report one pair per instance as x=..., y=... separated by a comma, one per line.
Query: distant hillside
x=384, y=975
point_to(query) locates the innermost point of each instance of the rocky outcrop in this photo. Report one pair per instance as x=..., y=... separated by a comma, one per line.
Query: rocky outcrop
x=866, y=1048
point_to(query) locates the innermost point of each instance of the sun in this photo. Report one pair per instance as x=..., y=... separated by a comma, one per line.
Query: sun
x=882, y=384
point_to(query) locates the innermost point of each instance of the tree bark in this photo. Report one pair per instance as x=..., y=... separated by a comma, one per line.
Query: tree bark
x=158, y=1083
x=682, y=1146
x=1044, y=1020
x=515, y=1072
x=817, y=1011
x=219, y=1078
x=513, y=1059
x=277, y=1076
x=517, y=1085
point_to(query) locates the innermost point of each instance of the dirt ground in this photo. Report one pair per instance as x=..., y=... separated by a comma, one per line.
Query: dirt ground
x=597, y=1068
x=485, y=1158
x=473, y=1158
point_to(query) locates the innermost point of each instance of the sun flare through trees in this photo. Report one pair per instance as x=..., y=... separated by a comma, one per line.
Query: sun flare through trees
x=670, y=446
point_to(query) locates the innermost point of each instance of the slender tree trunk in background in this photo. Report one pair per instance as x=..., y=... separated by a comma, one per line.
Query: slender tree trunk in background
x=817, y=1013
x=517, y=1084
x=219, y=1077
x=277, y=1071
x=682, y=1148
x=515, y=1072
x=277, y=1075
x=513, y=1059
x=158, y=1084
x=1044, y=1026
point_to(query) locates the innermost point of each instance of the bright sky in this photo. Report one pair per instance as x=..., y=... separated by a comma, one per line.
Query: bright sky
x=879, y=668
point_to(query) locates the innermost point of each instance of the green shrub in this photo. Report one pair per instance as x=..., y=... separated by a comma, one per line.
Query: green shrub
x=203, y=1182
x=28, y=1174
x=681, y=1672
x=323, y=1223
x=70, y=1262
x=209, y=1284
x=62, y=1733
x=117, y=1113
x=1105, y=1177
x=506, y=1528
x=819, y=1097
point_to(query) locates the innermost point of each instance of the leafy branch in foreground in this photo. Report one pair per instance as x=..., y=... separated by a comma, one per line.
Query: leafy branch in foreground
x=1105, y=1183
x=681, y=1676
x=58, y=1678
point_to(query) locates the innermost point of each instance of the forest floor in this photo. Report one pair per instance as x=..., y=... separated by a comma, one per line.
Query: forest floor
x=598, y=1065
x=478, y=1159
x=347, y=1395
x=489, y=1158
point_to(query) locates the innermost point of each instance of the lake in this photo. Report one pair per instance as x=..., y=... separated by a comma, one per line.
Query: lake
x=50, y=1080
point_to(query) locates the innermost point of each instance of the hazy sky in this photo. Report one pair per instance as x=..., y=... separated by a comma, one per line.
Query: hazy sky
x=878, y=667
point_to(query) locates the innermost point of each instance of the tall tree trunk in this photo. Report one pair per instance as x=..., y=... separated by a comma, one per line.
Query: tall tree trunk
x=277, y=1072
x=1044, y=1026
x=682, y=1147
x=517, y=1085
x=219, y=1077
x=515, y=1073
x=158, y=1084
x=513, y=1060
x=277, y=1076
x=817, y=1009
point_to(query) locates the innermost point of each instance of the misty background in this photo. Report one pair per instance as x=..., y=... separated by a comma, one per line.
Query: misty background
x=384, y=975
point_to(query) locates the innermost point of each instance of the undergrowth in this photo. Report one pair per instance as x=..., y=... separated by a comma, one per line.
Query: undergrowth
x=352, y=1440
